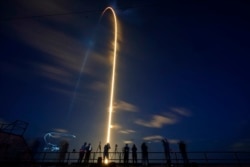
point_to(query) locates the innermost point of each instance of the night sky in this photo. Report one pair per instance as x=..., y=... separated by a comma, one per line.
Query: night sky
x=182, y=71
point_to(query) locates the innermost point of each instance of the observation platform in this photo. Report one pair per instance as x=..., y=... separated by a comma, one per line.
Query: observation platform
x=14, y=152
x=52, y=159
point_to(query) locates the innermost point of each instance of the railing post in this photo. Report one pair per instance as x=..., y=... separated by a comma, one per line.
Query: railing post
x=44, y=155
x=93, y=157
x=176, y=159
x=237, y=158
x=68, y=157
x=120, y=157
x=205, y=155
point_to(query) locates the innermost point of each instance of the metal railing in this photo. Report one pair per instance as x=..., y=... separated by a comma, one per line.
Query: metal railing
x=205, y=158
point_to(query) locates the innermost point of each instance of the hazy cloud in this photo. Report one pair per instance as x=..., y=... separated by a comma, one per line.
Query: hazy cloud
x=127, y=131
x=125, y=106
x=157, y=121
x=59, y=133
x=62, y=55
x=181, y=111
x=116, y=126
x=65, y=54
x=242, y=145
x=55, y=73
x=128, y=141
x=98, y=86
x=158, y=138
x=61, y=130
x=153, y=138
x=62, y=51
x=167, y=118
x=63, y=91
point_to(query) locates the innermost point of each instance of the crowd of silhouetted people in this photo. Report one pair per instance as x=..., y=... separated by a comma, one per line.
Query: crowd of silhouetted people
x=101, y=155
x=85, y=151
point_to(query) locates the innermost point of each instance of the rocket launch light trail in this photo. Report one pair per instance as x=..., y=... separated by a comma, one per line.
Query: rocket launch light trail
x=113, y=75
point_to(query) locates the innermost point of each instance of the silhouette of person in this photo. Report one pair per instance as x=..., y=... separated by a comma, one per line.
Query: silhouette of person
x=99, y=147
x=106, y=151
x=35, y=148
x=134, y=154
x=82, y=152
x=87, y=155
x=182, y=148
x=126, y=154
x=167, y=151
x=63, y=150
x=144, y=150
x=116, y=146
x=99, y=151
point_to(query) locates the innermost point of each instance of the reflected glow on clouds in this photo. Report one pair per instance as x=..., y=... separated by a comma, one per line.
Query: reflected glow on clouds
x=125, y=106
x=127, y=131
x=157, y=121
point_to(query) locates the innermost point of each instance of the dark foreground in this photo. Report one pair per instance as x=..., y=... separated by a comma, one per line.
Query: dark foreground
x=113, y=164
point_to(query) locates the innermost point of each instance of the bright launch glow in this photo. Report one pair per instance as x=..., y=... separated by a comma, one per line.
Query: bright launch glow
x=113, y=75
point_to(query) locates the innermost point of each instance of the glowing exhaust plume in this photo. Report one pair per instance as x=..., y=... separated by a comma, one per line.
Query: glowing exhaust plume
x=113, y=75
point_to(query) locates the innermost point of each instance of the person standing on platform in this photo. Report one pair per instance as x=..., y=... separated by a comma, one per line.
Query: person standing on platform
x=166, y=151
x=126, y=154
x=144, y=150
x=99, y=148
x=82, y=152
x=63, y=150
x=106, y=152
x=88, y=151
x=183, y=151
x=134, y=154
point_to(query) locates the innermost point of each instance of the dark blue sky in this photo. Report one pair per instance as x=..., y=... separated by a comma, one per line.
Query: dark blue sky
x=182, y=71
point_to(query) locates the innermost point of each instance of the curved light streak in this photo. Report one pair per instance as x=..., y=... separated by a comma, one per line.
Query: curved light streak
x=54, y=147
x=113, y=74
